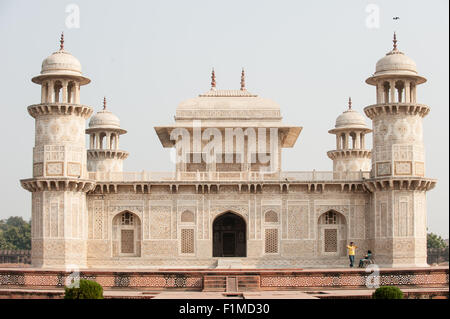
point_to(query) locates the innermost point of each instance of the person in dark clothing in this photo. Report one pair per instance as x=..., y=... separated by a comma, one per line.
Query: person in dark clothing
x=366, y=258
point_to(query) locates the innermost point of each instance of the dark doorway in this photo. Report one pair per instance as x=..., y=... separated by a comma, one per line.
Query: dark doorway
x=229, y=237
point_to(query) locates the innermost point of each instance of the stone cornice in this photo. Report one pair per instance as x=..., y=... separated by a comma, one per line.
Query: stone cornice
x=42, y=109
x=375, y=110
x=254, y=187
x=349, y=153
x=212, y=187
x=396, y=183
x=106, y=154
x=350, y=130
x=57, y=184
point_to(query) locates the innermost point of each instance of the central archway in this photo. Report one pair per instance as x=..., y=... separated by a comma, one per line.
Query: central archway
x=229, y=236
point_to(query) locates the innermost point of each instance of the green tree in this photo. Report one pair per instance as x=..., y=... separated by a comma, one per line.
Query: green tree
x=15, y=233
x=435, y=241
x=387, y=292
x=87, y=289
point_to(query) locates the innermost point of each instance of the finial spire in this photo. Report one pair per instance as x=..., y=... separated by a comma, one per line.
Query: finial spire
x=242, y=80
x=104, y=102
x=61, y=41
x=395, y=41
x=213, y=79
x=349, y=103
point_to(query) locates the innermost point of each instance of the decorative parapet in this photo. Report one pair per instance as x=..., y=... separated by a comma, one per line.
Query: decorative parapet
x=243, y=176
x=212, y=182
x=11, y=256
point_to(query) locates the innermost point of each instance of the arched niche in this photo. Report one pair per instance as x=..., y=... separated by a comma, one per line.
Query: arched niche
x=332, y=234
x=127, y=234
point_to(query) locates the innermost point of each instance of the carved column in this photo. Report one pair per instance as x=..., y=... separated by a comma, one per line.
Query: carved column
x=64, y=92
x=357, y=142
x=392, y=91
x=407, y=91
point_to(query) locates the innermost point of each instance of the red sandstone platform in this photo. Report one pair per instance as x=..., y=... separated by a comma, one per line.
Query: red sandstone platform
x=227, y=280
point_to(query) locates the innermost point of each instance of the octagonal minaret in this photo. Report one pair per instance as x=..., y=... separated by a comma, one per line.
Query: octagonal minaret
x=350, y=153
x=398, y=181
x=104, y=132
x=60, y=178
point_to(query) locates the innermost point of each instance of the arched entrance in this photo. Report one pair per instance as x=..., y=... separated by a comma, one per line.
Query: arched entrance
x=229, y=236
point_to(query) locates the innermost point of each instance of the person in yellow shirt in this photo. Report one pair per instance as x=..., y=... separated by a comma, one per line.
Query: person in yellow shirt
x=351, y=252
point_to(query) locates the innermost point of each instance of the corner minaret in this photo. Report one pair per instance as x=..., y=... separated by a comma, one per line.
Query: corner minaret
x=60, y=178
x=104, y=131
x=398, y=183
x=350, y=153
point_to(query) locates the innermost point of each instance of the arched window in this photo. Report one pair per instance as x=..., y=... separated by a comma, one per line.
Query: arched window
x=271, y=217
x=332, y=233
x=126, y=234
x=127, y=219
x=330, y=218
x=187, y=217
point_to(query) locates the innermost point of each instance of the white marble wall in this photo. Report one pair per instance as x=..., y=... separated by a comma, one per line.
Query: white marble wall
x=398, y=145
x=298, y=213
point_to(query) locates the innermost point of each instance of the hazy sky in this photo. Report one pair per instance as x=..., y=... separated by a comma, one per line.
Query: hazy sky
x=148, y=56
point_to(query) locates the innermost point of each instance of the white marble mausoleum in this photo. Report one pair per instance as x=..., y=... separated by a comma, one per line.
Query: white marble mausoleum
x=227, y=203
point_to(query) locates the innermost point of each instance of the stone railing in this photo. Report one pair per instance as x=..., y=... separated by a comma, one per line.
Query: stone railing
x=8, y=256
x=290, y=176
x=196, y=279
x=437, y=255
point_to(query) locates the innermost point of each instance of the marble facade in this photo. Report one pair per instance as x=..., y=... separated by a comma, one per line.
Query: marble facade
x=88, y=213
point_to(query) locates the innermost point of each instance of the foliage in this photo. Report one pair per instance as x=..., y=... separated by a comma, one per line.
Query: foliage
x=435, y=241
x=387, y=292
x=87, y=289
x=15, y=233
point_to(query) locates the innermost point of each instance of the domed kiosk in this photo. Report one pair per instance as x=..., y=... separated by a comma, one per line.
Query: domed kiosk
x=350, y=153
x=104, y=131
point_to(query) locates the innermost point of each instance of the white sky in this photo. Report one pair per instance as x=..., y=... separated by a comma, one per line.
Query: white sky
x=147, y=56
